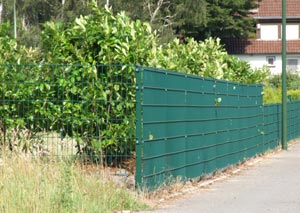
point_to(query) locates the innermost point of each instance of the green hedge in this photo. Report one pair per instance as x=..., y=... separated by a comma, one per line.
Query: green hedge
x=82, y=94
x=92, y=104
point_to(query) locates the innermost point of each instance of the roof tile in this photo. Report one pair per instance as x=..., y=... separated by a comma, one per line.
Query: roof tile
x=253, y=46
x=271, y=8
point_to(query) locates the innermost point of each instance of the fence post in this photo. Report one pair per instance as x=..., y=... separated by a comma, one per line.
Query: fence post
x=139, y=126
x=283, y=75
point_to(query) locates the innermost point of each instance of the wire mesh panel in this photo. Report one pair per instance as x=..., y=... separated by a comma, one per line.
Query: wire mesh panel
x=69, y=110
x=177, y=124
x=193, y=126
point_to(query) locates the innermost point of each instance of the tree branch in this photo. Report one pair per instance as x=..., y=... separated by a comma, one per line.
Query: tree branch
x=153, y=15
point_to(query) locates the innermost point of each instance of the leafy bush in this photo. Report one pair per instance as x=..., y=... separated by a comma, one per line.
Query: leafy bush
x=92, y=96
x=292, y=80
x=99, y=38
x=271, y=94
x=293, y=95
x=87, y=103
x=11, y=52
x=273, y=88
x=207, y=58
x=13, y=94
x=93, y=41
x=274, y=95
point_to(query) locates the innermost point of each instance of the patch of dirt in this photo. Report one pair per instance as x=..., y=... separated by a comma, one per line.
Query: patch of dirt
x=123, y=174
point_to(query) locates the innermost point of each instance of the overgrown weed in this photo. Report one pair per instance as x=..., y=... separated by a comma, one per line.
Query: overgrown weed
x=30, y=184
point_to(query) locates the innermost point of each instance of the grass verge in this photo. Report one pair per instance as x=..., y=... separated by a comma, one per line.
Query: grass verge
x=34, y=185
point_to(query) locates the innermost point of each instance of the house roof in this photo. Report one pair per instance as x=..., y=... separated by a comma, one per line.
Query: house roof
x=253, y=46
x=273, y=8
x=268, y=9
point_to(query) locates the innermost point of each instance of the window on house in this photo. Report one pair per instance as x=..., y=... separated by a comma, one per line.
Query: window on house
x=269, y=32
x=271, y=61
x=292, y=32
x=292, y=64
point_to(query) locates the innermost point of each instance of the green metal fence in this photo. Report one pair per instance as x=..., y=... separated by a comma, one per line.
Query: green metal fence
x=293, y=124
x=272, y=126
x=69, y=110
x=173, y=123
x=189, y=126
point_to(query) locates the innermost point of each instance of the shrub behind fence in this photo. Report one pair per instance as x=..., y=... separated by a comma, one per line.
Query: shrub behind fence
x=69, y=110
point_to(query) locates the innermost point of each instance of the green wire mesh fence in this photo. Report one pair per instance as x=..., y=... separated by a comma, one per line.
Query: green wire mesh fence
x=83, y=111
x=172, y=123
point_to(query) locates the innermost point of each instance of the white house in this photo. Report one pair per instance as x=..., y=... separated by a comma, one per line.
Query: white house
x=265, y=49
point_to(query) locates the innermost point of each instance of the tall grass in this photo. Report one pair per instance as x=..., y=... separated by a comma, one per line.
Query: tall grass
x=33, y=185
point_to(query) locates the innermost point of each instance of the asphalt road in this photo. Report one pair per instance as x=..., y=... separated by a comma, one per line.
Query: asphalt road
x=271, y=185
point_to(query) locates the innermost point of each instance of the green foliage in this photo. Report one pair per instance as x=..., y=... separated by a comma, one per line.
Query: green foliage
x=11, y=51
x=229, y=19
x=272, y=90
x=92, y=97
x=293, y=95
x=271, y=95
x=12, y=119
x=274, y=95
x=199, y=19
x=83, y=102
x=292, y=80
x=168, y=18
x=31, y=14
x=207, y=59
x=100, y=38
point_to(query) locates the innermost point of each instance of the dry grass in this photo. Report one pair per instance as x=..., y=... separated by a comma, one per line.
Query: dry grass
x=36, y=185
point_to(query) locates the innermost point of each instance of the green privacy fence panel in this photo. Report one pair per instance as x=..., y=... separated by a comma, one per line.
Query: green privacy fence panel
x=273, y=123
x=193, y=126
x=272, y=126
x=188, y=126
x=293, y=123
x=69, y=110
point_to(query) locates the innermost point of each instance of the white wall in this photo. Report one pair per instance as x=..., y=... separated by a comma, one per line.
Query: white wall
x=258, y=61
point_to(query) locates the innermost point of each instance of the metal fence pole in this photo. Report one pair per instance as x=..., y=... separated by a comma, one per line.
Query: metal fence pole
x=284, y=104
x=138, y=173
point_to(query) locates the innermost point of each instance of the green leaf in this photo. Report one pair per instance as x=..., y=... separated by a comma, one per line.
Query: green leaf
x=116, y=87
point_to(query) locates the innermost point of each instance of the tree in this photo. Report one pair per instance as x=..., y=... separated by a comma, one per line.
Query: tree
x=168, y=18
x=31, y=14
x=229, y=19
x=200, y=19
x=190, y=16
